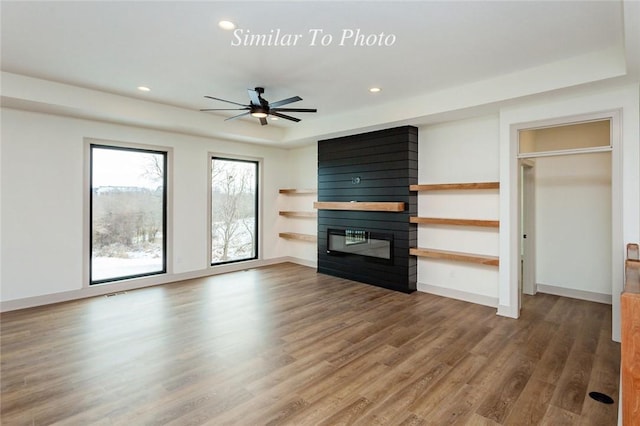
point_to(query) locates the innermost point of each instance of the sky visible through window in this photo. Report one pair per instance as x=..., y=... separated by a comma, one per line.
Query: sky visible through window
x=115, y=167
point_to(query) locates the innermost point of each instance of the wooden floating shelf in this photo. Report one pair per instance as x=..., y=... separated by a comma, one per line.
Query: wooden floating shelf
x=458, y=222
x=359, y=206
x=298, y=214
x=297, y=236
x=455, y=186
x=455, y=255
x=297, y=191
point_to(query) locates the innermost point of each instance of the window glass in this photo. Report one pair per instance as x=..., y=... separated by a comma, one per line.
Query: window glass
x=128, y=213
x=234, y=210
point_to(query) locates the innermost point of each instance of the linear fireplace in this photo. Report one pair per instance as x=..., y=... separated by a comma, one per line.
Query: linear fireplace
x=375, y=246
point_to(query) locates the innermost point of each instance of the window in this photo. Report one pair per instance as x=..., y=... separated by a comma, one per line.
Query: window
x=128, y=209
x=234, y=210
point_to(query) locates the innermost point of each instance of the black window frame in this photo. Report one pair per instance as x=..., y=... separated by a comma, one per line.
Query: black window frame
x=165, y=157
x=255, y=203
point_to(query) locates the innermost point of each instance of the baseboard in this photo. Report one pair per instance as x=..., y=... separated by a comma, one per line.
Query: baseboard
x=134, y=284
x=575, y=294
x=301, y=262
x=458, y=294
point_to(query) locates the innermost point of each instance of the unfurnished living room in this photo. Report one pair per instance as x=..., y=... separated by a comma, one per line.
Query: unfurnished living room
x=320, y=212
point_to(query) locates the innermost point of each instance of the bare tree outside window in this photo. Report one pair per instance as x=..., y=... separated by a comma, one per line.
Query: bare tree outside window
x=233, y=210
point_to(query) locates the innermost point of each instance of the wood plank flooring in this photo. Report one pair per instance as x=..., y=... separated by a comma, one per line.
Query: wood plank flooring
x=285, y=345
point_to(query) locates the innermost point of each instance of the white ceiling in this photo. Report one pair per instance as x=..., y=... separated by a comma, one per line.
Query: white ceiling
x=177, y=49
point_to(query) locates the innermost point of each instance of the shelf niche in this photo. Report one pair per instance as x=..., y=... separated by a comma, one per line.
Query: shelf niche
x=298, y=214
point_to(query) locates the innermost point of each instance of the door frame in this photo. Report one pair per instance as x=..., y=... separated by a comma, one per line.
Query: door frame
x=527, y=225
x=509, y=282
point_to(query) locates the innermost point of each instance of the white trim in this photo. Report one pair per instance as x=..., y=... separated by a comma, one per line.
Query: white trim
x=86, y=256
x=565, y=151
x=527, y=223
x=509, y=257
x=568, y=120
x=458, y=295
x=574, y=294
x=508, y=311
x=133, y=284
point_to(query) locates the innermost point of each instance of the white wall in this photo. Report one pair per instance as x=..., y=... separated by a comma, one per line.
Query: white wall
x=456, y=152
x=573, y=222
x=43, y=198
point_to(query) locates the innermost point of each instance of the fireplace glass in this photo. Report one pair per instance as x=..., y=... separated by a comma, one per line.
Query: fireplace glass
x=360, y=242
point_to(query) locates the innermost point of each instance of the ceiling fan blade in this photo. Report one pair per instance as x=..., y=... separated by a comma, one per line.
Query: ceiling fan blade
x=224, y=109
x=286, y=117
x=255, y=97
x=285, y=101
x=295, y=109
x=224, y=100
x=238, y=116
x=263, y=121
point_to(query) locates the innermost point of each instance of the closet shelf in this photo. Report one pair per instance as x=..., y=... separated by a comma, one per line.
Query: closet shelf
x=458, y=222
x=360, y=206
x=297, y=236
x=297, y=214
x=455, y=186
x=455, y=255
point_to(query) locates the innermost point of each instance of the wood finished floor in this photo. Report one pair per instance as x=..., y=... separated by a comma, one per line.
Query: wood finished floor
x=284, y=345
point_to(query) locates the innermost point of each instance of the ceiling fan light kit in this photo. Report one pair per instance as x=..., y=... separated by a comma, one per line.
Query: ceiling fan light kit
x=260, y=108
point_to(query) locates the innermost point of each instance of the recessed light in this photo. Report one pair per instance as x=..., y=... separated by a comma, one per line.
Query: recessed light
x=227, y=25
x=144, y=89
x=375, y=89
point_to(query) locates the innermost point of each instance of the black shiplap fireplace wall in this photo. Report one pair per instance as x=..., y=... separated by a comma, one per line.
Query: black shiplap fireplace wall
x=376, y=167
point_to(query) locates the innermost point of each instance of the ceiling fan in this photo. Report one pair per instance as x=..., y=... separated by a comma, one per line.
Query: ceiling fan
x=261, y=108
